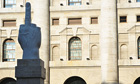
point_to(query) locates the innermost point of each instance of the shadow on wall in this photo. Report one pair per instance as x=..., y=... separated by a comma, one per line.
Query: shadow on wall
x=8, y=81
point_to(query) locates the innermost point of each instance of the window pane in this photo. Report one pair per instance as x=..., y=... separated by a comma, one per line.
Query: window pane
x=94, y=20
x=74, y=2
x=123, y=19
x=75, y=49
x=138, y=0
x=74, y=21
x=9, y=3
x=55, y=21
x=138, y=18
x=9, y=50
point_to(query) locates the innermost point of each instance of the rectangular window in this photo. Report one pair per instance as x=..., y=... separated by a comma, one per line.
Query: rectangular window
x=74, y=2
x=9, y=23
x=138, y=18
x=123, y=19
x=55, y=21
x=94, y=20
x=137, y=0
x=74, y=21
x=9, y=3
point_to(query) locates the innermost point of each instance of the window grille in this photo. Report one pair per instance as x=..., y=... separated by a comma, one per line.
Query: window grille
x=138, y=18
x=74, y=2
x=9, y=3
x=74, y=21
x=123, y=19
x=9, y=23
x=9, y=50
x=94, y=20
x=55, y=21
x=75, y=49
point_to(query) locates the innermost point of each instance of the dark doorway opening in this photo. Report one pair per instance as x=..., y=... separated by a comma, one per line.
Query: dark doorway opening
x=75, y=80
x=8, y=81
x=137, y=81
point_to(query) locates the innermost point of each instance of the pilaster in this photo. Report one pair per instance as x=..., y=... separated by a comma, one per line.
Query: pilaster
x=41, y=18
x=108, y=42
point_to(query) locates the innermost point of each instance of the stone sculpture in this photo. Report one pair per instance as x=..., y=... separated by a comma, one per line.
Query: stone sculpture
x=29, y=36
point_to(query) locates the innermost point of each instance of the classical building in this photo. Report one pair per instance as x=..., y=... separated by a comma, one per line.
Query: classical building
x=75, y=34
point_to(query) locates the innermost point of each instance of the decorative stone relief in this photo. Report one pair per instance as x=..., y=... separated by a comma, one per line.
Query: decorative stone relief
x=8, y=32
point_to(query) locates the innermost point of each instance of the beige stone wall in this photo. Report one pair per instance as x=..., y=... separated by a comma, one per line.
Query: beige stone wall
x=91, y=75
x=89, y=70
x=128, y=74
x=7, y=72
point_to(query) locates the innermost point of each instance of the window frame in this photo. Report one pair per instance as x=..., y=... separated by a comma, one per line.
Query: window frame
x=74, y=2
x=96, y=18
x=122, y=20
x=80, y=20
x=9, y=20
x=69, y=50
x=12, y=5
x=5, y=50
x=138, y=18
x=53, y=21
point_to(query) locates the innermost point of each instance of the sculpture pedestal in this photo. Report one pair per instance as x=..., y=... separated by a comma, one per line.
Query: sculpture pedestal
x=30, y=71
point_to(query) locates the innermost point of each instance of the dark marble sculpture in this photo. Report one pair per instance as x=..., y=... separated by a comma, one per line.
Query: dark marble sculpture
x=29, y=36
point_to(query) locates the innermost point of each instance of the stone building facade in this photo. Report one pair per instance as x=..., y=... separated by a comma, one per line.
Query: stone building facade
x=74, y=50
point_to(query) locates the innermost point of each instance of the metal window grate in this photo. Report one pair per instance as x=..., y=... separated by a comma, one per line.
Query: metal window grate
x=74, y=2
x=9, y=23
x=94, y=20
x=138, y=18
x=74, y=21
x=75, y=49
x=123, y=19
x=9, y=3
x=55, y=21
x=9, y=50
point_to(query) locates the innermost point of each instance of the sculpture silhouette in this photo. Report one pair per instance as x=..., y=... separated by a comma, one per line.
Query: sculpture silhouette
x=29, y=36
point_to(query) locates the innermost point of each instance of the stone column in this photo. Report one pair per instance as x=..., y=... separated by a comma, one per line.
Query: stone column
x=108, y=42
x=41, y=18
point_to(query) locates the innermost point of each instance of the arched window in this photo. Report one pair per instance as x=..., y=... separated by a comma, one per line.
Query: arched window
x=9, y=50
x=137, y=81
x=75, y=49
x=8, y=81
x=138, y=48
x=74, y=2
x=75, y=80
